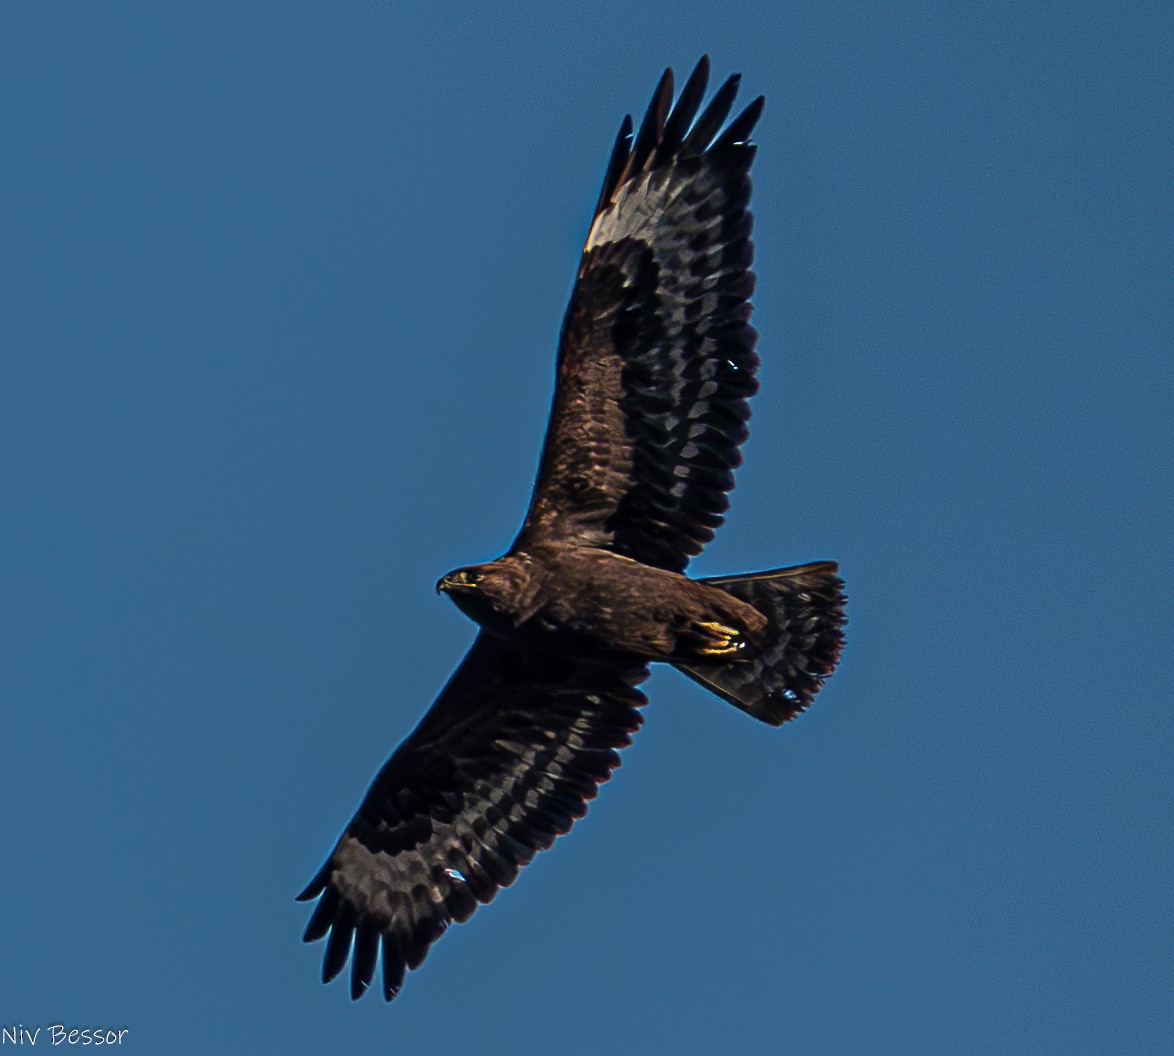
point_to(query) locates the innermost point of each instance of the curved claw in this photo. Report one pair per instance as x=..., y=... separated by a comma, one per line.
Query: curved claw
x=719, y=639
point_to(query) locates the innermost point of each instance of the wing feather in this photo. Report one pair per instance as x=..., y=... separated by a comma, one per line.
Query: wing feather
x=656, y=361
x=652, y=126
x=504, y=762
x=684, y=112
x=702, y=133
x=615, y=165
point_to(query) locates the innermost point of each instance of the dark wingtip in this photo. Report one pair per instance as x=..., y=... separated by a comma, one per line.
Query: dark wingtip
x=316, y=886
x=673, y=130
x=393, y=966
x=322, y=919
x=616, y=163
x=738, y=130
x=338, y=945
x=311, y=891
x=683, y=112
x=652, y=125
x=364, y=959
x=708, y=124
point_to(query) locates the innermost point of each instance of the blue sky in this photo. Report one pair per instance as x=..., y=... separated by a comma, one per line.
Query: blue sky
x=281, y=287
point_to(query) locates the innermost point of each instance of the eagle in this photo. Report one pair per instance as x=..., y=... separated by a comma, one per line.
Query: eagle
x=656, y=364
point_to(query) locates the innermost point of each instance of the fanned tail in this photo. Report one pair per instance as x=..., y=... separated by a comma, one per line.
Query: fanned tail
x=804, y=607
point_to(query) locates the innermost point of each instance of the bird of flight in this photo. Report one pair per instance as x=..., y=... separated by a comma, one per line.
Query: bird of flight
x=656, y=363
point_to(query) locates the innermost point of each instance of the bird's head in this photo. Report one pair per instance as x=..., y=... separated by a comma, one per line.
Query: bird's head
x=485, y=592
x=459, y=580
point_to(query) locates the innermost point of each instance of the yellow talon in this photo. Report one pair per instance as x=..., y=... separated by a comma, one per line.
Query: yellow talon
x=721, y=640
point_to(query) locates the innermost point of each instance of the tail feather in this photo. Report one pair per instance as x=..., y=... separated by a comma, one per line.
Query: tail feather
x=804, y=607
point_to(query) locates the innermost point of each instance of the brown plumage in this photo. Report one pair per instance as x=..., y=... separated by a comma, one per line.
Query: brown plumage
x=656, y=365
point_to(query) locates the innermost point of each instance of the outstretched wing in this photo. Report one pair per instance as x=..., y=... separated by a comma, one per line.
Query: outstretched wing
x=657, y=359
x=502, y=764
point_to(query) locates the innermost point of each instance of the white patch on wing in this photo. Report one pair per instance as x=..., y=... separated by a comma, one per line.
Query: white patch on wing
x=639, y=205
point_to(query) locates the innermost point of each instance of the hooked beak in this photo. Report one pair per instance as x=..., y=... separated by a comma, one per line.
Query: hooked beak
x=462, y=580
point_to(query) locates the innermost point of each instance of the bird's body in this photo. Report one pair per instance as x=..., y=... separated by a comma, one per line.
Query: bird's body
x=655, y=369
x=593, y=604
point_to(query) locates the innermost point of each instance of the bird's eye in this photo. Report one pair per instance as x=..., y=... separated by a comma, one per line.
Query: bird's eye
x=471, y=576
